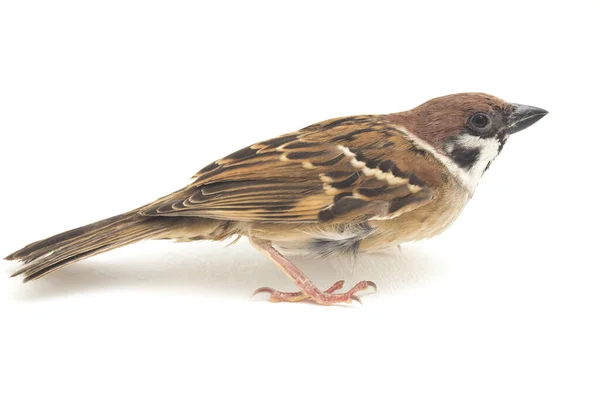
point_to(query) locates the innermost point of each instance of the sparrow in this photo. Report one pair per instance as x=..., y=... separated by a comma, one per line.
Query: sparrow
x=345, y=185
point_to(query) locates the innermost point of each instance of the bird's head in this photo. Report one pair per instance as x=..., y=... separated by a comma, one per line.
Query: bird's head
x=470, y=129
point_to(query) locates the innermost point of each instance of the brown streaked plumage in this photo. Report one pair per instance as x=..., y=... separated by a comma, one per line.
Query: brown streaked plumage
x=344, y=185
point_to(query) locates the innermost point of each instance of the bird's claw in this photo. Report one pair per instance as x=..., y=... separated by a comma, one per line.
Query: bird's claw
x=327, y=297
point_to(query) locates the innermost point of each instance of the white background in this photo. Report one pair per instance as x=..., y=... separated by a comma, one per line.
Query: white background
x=108, y=105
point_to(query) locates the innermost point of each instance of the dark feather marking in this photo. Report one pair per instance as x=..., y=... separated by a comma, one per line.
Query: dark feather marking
x=259, y=158
x=208, y=174
x=249, y=193
x=347, y=204
x=276, y=142
x=326, y=215
x=374, y=192
x=198, y=196
x=340, y=196
x=179, y=205
x=303, y=155
x=397, y=172
x=210, y=167
x=301, y=145
x=413, y=180
x=370, y=162
x=343, y=206
x=329, y=163
x=283, y=218
x=164, y=209
x=401, y=202
x=346, y=183
x=418, y=151
x=213, y=188
x=387, y=165
x=245, y=201
x=338, y=175
x=256, y=160
x=244, y=153
x=279, y=207
x=258, y=209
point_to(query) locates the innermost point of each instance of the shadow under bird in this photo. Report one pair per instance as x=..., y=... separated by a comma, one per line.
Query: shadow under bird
x=345, y=185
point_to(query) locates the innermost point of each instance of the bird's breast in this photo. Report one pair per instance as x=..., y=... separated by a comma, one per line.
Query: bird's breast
x=422, y=223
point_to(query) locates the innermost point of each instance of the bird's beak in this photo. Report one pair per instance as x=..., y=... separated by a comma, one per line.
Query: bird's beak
x=523, y=117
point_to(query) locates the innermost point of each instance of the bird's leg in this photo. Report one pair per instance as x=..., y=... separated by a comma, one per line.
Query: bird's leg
x=308, y=290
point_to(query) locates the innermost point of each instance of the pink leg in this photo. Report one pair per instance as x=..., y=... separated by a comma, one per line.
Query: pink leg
x=308, y=290
x=277, y=296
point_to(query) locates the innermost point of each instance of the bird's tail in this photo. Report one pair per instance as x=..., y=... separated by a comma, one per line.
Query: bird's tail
x=45, y=256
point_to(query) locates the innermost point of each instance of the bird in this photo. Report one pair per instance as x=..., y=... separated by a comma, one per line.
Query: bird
x=353, y=184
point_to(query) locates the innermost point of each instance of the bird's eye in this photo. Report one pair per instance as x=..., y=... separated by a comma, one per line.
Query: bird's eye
x=480, y=122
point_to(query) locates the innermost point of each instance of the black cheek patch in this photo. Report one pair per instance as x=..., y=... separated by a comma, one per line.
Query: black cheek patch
x=465, y=157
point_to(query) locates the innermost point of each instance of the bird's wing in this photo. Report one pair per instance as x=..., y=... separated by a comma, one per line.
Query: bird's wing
x=334, y=172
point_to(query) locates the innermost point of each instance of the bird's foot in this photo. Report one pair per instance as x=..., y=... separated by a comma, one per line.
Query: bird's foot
x=327, y=298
